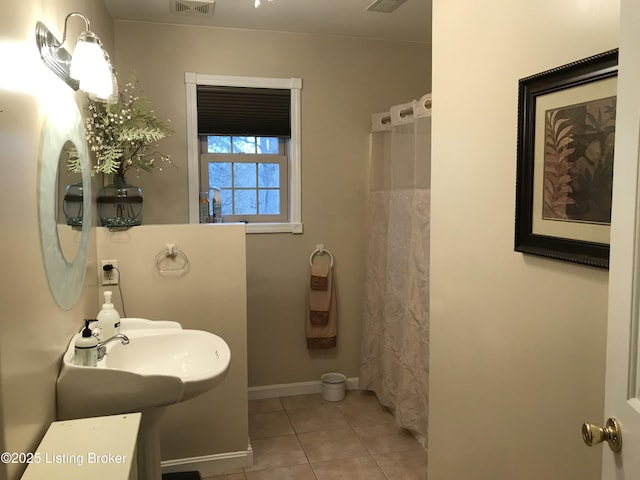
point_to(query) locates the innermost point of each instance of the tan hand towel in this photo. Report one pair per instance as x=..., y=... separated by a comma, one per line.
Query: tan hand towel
x=320, y=300
x=319, y=277
x=323, y=335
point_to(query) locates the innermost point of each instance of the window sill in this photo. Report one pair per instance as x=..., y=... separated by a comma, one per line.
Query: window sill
x=295, y=228
x=285, y=227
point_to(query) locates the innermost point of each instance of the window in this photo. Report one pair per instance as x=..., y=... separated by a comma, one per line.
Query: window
x=251, y=174
x=256, y=168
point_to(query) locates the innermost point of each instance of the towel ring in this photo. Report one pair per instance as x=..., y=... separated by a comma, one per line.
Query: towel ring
x=320, y=250
x=172, y=252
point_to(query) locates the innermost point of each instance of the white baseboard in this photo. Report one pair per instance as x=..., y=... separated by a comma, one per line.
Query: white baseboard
x=209, y=465
x=290, y=389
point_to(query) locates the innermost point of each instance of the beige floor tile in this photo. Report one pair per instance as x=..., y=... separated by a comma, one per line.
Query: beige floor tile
x=231, y=476
x=303, y=401
x=318, y=418
x=362, y=408
x=359, y=397
x=272, y=424
x=386, y=438
x=408, y=465
x=265, y=405
x=276, y=452
x=331, y=444
x=295, y=472
x=358, y=468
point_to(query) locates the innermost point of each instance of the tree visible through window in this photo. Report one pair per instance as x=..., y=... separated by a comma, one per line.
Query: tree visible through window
x=251, y=174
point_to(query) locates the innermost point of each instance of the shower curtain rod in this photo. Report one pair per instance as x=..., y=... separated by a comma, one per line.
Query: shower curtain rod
x=403, y=113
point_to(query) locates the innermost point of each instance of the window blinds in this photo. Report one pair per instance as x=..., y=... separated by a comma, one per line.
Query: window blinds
x=262, y=112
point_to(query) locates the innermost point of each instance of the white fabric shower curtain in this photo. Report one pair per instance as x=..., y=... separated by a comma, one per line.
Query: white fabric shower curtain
x=395, y=350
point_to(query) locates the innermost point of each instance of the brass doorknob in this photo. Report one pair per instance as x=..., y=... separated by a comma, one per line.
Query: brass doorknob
x=593, y=435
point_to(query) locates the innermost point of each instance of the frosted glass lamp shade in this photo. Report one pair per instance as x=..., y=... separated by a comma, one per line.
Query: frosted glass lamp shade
x=98, y=82
x=90, y=66
x=113, y=97
x=86, y=56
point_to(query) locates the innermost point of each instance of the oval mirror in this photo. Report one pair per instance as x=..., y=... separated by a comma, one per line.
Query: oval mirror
x=63, y=129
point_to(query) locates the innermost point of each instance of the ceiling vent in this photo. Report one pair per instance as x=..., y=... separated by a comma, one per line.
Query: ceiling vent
x=191, y=7
x=385, y=6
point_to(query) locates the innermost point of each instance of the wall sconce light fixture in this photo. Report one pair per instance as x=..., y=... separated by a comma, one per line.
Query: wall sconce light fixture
x=89, y=69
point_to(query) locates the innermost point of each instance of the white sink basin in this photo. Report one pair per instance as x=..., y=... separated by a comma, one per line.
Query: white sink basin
x=162, y=364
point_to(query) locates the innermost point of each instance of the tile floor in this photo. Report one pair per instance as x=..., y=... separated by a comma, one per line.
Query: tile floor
x=307, y=438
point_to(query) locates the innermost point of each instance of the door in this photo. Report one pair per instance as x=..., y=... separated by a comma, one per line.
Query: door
x=622, y=397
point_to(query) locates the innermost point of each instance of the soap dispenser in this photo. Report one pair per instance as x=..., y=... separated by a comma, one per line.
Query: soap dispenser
x=108, y=318
x=86, y=348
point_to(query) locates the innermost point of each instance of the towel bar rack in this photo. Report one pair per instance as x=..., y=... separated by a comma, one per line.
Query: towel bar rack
x=320, y=250
x=172, y=252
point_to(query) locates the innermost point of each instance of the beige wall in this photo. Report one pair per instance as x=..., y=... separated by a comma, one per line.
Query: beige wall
x=34, y=331
x=345, y=80
x=517, y=342
x=210, y=296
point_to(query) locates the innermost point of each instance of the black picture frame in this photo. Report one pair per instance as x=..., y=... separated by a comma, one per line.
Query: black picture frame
x=553, y=214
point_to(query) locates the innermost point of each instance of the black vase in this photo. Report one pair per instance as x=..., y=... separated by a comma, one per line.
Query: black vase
x=120, y=204
x=72, y=205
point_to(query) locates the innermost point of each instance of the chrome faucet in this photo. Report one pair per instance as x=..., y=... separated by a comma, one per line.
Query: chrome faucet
x=102, y=346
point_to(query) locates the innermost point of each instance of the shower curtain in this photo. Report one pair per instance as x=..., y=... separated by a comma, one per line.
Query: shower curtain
x=395, y=350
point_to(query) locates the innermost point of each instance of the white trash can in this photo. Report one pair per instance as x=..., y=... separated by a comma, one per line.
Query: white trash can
x=333, y=386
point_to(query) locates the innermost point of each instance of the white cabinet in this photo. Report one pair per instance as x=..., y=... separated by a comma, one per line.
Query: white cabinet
x=99, y=448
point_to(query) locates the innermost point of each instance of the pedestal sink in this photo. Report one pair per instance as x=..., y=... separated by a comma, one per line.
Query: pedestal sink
x=163, y=364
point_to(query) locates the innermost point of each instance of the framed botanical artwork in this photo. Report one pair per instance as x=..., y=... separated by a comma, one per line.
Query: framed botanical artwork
x=566, y=137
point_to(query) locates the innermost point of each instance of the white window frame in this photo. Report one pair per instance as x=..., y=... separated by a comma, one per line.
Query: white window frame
x=192, y=80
